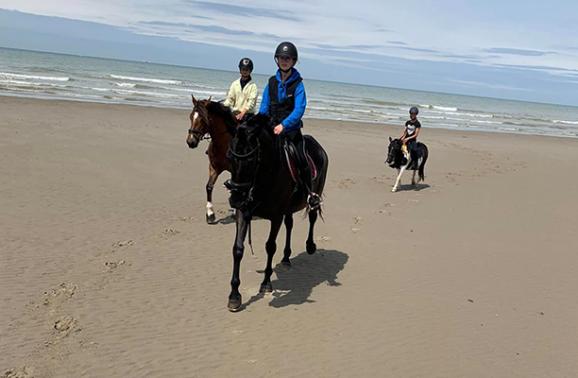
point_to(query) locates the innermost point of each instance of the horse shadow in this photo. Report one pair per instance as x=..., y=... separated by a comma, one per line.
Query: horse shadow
x=294, y=285
x=415, y=188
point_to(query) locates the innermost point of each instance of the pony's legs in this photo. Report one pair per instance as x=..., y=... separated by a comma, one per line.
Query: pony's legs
x=271, y=247
x=238, y=249
x=398, y=179
x=413, y=178
x=213, y=175
x=287, y=250
x=310, y=245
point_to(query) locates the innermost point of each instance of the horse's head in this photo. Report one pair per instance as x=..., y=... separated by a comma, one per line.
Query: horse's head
x=246, y=155
x=199, y=122
x=394, y=153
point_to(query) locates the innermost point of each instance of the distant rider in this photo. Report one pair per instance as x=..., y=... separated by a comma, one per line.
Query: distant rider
x=243, y=93
x=410, y=134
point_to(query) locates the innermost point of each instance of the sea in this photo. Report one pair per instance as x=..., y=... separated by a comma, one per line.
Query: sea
x=57, y=76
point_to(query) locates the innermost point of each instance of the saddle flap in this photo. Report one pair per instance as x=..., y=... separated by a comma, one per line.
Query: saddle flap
x=292, y=160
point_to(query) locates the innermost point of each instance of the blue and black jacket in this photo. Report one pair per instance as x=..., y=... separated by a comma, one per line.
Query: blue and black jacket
x=285, y=102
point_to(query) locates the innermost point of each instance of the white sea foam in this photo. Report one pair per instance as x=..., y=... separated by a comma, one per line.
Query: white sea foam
x=9, y=75
x=125, y=85
x=565, y=122
x=144, y=93
x=146, y=79
x=445, y=108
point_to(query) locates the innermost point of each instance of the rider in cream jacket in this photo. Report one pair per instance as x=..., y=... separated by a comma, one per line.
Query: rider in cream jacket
x=243, y=93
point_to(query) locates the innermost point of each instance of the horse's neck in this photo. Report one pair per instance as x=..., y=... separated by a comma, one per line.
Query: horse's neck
x=219, y=133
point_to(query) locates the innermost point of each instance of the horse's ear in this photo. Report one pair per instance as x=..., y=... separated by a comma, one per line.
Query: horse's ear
x=390, y=139
x=210, y=97
x=194, y=99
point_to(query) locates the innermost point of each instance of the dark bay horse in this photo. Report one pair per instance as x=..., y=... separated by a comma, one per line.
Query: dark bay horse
x=215, y=119
x=261, y=185
x=397, y=159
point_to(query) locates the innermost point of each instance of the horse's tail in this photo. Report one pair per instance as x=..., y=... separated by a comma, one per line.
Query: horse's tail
x=421, y=170
x=321, y=161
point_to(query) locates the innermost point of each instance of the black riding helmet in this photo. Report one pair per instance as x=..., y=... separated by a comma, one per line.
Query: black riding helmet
x=413, y=110
x=246, y=63
x=286, y=49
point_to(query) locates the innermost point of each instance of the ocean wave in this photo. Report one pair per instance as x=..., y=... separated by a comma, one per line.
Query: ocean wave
x=565, y=122
x=125, y=85
x=477, y=115
x=9, y=75
x=439, y=107
x=445, y=108
x=29, y=85
x=146, y=79
x=486, y=122
x=143, y=93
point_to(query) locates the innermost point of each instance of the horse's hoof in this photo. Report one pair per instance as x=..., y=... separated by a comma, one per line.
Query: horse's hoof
x=266, y=288
x=393, y=190
x=234, y=304
x=286, y=263
x=311, y=247
x=211, y=219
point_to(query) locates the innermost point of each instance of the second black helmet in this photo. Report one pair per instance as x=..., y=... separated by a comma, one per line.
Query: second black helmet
x=246, y=63
x=286, y=49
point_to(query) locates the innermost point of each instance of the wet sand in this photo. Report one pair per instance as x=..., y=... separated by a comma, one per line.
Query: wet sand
x=107, y=267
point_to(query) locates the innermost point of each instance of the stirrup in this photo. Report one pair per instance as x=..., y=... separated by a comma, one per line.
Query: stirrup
x=314, y=201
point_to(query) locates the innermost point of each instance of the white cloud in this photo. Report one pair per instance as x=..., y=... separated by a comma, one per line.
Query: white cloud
x=436, y=31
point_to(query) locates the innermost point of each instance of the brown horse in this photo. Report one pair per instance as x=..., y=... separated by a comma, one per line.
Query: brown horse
x=216, y=120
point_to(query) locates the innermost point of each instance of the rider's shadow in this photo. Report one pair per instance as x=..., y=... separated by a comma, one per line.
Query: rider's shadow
x=294, y=285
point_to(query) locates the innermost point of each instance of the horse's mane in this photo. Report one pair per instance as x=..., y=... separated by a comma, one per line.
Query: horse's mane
x=225, y=113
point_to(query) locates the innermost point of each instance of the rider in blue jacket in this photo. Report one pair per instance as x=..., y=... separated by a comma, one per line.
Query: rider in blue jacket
x=284, y=101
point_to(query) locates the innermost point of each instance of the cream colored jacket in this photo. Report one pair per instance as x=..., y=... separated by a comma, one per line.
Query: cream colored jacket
x=245, y=99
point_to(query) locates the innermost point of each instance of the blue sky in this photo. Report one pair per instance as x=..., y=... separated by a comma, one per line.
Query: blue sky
x=510, y=49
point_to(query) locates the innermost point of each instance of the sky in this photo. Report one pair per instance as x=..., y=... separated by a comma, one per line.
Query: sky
x=523, y=50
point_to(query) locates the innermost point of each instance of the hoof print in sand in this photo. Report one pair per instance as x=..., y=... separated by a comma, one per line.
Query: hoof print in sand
x=24, y=372
x=64, y=291
x=112, y=265
x=168, y=232
x=65, y=325
x=123, y=243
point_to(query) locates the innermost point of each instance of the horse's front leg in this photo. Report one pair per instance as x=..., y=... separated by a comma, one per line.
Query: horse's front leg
x=270, y=246
x=398, y=179
x=310, y=245
x=413, y=178
x=288, y=229
x=213, y=175
x=235, y=299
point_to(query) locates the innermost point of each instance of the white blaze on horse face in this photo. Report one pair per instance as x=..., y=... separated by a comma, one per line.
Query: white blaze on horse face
x=195, y=116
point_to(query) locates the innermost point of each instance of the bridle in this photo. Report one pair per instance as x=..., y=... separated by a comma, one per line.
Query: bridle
x=201, y=135
x=247, y=187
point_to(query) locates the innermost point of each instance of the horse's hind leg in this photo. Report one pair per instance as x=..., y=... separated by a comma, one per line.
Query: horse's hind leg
x=210, y=215
x=413, y=178
x=288, y=229
x=310, y=245
x=271, y=247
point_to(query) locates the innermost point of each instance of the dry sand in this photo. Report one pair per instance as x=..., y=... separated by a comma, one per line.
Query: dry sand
x=107, y=268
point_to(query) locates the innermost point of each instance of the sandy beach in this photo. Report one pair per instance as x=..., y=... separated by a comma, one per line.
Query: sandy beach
x=108, y=269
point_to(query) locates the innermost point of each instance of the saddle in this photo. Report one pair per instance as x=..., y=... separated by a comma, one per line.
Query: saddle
x=292, y=158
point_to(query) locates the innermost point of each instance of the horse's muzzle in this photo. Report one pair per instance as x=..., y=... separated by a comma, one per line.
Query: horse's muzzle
x=192, y=141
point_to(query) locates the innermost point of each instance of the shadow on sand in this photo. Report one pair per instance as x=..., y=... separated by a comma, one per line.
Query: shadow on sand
x=409, y=187
x=293, y=286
